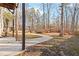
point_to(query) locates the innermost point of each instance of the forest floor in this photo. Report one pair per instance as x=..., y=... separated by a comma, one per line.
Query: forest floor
x=57, y=46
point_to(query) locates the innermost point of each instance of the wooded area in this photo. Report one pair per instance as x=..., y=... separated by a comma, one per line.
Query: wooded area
x=64, y=20
x=49, y=17
x=46, y=24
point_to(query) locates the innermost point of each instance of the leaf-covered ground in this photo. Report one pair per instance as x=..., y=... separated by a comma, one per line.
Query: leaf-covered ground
x=68, y=46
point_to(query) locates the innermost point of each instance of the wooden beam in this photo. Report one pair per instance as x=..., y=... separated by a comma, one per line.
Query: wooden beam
x=8, y=5
x=23, y=26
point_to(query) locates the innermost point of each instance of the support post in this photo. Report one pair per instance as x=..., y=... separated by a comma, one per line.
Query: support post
x=23, y=26
x=16, y=25
x=13, y=25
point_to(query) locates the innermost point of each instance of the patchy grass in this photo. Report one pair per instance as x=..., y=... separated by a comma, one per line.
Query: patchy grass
x=57, y=37
x=28, y=36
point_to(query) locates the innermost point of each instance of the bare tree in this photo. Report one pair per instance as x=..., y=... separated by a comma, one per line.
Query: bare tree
x=73, y=22
x=66, y=18
x=62, y=21
x=76, y=23
x=44, y=15
x=48, y=16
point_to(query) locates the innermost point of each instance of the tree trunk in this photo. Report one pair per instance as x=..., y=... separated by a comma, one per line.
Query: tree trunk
x=76, y=24
x=6, y=31
x=43, y=16
x=73, y=22
x=32, y=26
x=48, y=10
x=62, y=21
x=66, y=28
